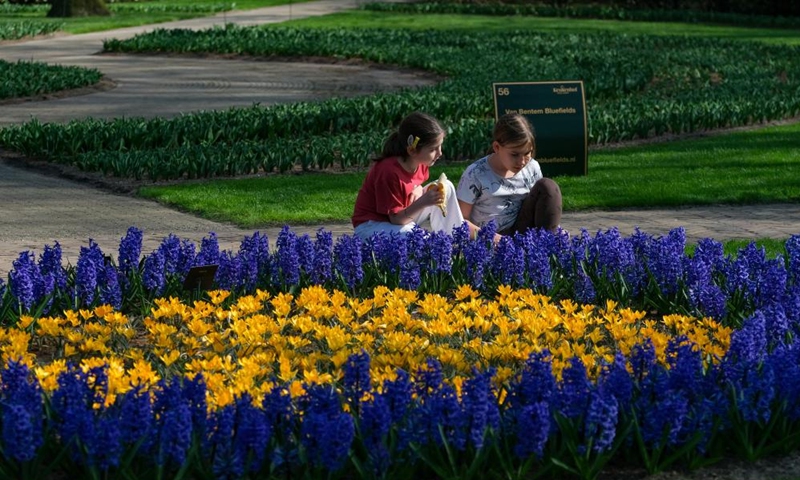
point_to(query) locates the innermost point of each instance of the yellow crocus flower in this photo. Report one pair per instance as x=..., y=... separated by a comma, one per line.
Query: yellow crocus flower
x=116, y=318
x=296, y=389
x=458, y=384
x=74, y=337
x=17, y=340
x=379, y=295
x=282, y=304
x=97, y=329
x=218, y=296
x=338, y=298
x=337, y=339
x=222, y=397
x=71, y=316
x=310, y=338
x=339, y=358
x=216, y=341
x=314, y=377
x=397, y=341
x=465, y=291
x=611, y=306
x=48, y=374
x=93, y=362
x=24, y=322
x=311, y=296
x=49, y=326
x=286, y=371
x=262, y=295
x=248, y=304
x=360, y=307
x=92, y=344
x=569, y=306
x=134, y=354
x=198, y=327
x=102, y=310
x=595, y=336
x=170, y=357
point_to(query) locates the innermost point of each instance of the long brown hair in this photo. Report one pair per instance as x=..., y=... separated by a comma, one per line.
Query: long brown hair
x=417, y=129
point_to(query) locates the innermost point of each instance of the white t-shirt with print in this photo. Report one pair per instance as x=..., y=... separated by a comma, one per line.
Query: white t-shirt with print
x=493, y=197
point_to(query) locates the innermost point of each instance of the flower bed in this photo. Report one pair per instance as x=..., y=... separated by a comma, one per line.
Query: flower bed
x=232, y=403
x=244, y=346
x=640, y=271
x=27, y=78
x=400, y=357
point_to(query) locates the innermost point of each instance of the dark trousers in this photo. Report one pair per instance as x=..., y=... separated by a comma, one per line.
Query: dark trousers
x=540, y=209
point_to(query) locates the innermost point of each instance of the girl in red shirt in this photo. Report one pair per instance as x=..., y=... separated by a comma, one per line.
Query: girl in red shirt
x=392, y=198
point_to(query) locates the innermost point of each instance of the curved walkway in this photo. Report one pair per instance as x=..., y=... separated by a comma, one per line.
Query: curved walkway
x=38, y=210
x=166, y=86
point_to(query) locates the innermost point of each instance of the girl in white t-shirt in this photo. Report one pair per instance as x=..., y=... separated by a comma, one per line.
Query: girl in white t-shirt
x=507, y=186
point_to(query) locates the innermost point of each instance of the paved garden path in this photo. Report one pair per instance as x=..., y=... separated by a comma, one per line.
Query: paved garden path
x=38, y=209
x=166, y=86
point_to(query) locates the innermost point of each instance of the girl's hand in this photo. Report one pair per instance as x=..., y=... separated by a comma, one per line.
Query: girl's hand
x=432, y=196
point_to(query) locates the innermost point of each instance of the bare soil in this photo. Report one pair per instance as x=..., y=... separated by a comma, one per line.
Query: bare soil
x=771, y=468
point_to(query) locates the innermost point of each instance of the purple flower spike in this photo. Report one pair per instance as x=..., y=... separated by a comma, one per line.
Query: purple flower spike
x=533, y=424
x=288, y=261
x=323, y=255
x=357, y=380
x=130, y=249
x=25, y=280
x=153, y=275
x=479, y=407
x=375, y=422
x=22, y=411
x=793, y=258
x=326, y=431
x=50, y=265
x=600, y=422
x=347, y=258
x=209, y=251
x=508, y=263
x=173, y=425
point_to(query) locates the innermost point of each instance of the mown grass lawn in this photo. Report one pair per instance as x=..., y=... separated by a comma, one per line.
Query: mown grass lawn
x=744, y=167
x=370, y=19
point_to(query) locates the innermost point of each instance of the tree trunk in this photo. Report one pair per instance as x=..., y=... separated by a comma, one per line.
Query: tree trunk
x=77, y=8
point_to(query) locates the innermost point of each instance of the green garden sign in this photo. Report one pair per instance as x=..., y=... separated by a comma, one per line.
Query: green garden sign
x=557, y=111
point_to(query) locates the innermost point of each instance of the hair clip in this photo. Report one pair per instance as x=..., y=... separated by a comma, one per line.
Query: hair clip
x=412, y=141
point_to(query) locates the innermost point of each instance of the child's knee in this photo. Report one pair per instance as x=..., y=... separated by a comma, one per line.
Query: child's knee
x=547, y=186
